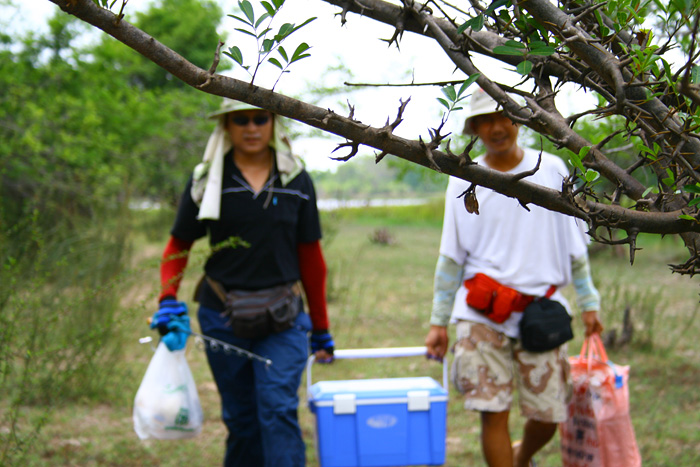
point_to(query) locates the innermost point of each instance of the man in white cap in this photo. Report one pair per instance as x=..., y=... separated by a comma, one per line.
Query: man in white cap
x=505, y=254
x=257, y=205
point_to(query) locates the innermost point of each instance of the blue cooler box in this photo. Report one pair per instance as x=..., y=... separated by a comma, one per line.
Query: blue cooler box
x=379, y=422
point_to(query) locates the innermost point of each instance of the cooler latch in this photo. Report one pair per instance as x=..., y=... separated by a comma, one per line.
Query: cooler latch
x=418, y=401
x=344, y=404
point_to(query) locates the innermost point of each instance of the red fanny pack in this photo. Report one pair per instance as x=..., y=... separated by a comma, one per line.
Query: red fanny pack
x=493, y=299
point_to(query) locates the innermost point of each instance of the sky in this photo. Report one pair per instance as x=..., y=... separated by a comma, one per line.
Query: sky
x=357, y=47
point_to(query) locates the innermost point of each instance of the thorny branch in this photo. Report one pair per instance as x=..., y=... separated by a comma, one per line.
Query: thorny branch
x=214, y=66
x=594, y=63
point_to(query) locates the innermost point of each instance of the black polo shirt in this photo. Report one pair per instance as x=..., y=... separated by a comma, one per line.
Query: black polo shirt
x=271, y=222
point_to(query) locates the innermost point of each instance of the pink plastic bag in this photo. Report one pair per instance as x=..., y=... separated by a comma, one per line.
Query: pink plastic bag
x=599, y=431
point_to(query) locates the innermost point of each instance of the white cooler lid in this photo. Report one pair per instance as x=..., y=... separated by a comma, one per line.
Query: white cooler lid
x=377, y=389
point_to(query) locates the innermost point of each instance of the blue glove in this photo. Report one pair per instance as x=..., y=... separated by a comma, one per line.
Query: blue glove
x=322, y=340
x=168, y=308
x=178, y=332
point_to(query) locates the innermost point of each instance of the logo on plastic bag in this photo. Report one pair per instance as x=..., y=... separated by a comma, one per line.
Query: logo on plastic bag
x=183, y=417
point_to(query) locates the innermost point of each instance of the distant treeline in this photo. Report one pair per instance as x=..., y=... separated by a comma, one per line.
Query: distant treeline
x=362, y=178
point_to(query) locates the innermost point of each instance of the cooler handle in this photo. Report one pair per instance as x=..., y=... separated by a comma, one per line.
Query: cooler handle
x=388, y=352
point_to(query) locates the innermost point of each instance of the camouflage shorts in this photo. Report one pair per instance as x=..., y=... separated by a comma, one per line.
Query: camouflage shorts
x=483, y=370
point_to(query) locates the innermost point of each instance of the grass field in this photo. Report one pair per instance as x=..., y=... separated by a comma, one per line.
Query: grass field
x=379, y=296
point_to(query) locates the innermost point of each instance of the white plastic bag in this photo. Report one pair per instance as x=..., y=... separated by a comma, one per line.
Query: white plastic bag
x=167, y=404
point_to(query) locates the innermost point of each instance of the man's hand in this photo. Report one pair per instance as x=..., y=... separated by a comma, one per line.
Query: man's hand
x=591, y=322
x=436, y=341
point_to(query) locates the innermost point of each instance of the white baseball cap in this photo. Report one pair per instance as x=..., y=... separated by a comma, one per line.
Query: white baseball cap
x=481, y=104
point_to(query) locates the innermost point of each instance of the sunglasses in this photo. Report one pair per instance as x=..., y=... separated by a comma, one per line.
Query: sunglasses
x=243, y=120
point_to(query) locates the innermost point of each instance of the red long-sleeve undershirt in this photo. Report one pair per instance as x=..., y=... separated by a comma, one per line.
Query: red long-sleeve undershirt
x=173, y=265
x=312, y=268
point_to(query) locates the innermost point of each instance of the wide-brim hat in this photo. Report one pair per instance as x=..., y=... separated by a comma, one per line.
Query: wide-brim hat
x=481, y=104
x=279, y=138
x=207, y=176
x=230, y=105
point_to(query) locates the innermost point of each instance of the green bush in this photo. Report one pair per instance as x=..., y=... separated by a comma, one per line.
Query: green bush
x=59, y=323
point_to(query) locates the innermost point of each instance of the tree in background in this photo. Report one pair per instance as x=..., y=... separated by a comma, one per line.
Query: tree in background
x=84, y=130
x=604, y=48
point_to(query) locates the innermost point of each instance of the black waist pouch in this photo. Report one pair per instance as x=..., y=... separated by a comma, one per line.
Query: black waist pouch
x=545, y=325
x=254, y=314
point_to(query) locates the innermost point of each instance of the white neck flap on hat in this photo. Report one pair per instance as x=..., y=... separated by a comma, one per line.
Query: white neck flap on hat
x=208, y=174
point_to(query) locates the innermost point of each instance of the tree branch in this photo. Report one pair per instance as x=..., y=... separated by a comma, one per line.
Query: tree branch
x=357, y=133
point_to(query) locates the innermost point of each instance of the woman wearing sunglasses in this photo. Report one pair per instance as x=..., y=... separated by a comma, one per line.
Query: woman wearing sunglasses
x=257, y=205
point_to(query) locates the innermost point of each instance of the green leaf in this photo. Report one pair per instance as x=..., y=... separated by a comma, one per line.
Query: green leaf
x=524, y=67
x=650, y=153
x=695, y=74
x=283, y=53
x=278, y=3
x=242, y=20
x=583, y=152
x=300, y=57
x=449, y=92
x=660, y=5
x=247, y=10
x=285, y=30
x=655, y=69
x=272, y=11
x=516, y=44
x=601, y=24
x=235, y=53
x=686, y=217
x=475, y=24
x=544, y=51
x=575, y=161
x=462, y=88
x=466, y=25
x=473, y=78
x=302, y=24
x=668, y=181
x=444, y=102
x=275, y=62
x=667, y=69
x=263, y=33
x=647, y=191
x=591, y=175
x=244, y=31
x=692, y=188
x=537, y=45
x=495, y=6
x=505, y=50
x=301, y=48
x=478, y=23
x=267, y=45
x=693, y=202
x=261, y=19
x=468, y=82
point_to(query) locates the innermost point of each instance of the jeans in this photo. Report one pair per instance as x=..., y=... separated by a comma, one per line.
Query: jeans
x=259, y=404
